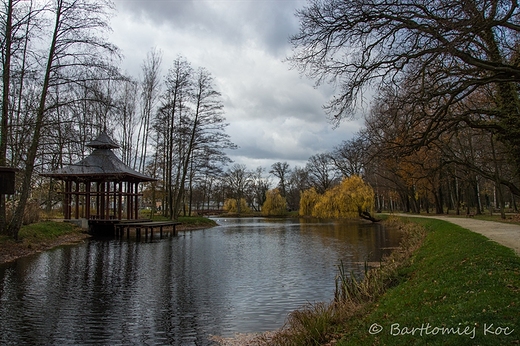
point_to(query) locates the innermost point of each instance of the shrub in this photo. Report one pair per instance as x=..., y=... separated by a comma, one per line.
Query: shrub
x=275, y=204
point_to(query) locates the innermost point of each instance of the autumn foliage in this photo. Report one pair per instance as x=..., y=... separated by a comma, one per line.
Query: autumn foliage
x=275, y=204
x=230, y=205
x=347, y=200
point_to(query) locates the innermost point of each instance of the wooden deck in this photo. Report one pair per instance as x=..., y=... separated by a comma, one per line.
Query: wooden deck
x=118, y=228
x=145, y=226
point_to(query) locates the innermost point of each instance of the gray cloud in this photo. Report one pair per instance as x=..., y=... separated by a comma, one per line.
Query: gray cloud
x=267, y=23
x=274, y=113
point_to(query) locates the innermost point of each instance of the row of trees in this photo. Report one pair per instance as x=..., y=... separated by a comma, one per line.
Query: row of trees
x=61, y=86
x=444, y=129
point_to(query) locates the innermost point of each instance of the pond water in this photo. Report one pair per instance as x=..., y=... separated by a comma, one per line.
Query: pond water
x=245, y=275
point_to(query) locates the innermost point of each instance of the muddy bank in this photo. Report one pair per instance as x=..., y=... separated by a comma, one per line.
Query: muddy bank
x=11, y=250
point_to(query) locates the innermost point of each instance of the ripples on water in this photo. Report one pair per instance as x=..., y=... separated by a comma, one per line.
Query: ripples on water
x=243, y=276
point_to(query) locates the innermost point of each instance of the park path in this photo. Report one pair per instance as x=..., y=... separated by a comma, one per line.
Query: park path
x=502, y=233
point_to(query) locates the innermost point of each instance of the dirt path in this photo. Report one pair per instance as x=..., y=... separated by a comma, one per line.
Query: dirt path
x=502, y=233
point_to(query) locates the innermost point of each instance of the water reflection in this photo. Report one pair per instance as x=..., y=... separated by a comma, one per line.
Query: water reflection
x=245, y=275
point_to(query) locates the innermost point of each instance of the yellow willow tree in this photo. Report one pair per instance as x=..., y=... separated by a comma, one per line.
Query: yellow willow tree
x=275, y=204
x=230, y=205
x=352, y=198
x=308, y=200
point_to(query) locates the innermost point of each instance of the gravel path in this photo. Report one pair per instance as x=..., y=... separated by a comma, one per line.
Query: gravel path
x=502, y=233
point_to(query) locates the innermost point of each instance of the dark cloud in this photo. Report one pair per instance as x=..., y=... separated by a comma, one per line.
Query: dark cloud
x=267, y=23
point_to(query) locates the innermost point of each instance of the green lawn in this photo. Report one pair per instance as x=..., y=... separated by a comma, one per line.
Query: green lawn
x=461, y=289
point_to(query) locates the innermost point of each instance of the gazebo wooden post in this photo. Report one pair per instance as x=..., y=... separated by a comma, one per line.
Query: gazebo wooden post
x=136, y=201
x=76, y=200
x=87, y=200
x=67, y=206
x=98, y=199
x=114, y=202
x=129, y=201
x=107, y=203
x=101, y=210
x=120, y=201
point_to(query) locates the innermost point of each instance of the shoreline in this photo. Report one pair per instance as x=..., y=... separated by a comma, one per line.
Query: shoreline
x=10, y=250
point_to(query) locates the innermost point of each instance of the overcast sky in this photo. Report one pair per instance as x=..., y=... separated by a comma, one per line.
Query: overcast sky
x=274, y=113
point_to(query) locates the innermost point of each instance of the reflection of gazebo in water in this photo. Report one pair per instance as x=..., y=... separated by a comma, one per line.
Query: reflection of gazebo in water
x=100, y=188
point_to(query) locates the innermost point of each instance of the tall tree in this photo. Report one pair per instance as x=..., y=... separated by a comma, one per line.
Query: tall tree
x=238, y=179
x=258, y=189
x=321, y=172
x=171, y=126
x=6, y=83
x=282, y=171
x=349, y=157
x=150, y=90
x=207, y=117
x=74, y=47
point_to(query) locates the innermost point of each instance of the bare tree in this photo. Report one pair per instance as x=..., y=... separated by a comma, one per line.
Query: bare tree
x=171, y=128
x=6, y=83
x=150, y=90
x=321, y=172
x=207, y=113
x=281, y=170
x=127, y=122
x=297, y=183
x=238, y=179
x=258, y=188
x=453, y=49
x=73, y=48
x=349, y=157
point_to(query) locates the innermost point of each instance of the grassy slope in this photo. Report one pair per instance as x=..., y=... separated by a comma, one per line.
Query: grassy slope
x=458, y=279
x=46, y=230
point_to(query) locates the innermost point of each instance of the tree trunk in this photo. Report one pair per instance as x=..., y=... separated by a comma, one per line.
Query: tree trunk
x=6, y=76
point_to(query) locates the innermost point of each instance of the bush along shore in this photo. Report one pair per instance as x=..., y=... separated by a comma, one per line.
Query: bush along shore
x=444, y=286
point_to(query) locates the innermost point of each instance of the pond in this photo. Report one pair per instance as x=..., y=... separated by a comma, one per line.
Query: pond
x=243, y=276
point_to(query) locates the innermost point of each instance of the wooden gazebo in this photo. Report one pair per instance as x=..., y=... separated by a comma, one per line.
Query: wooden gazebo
x=100, y=188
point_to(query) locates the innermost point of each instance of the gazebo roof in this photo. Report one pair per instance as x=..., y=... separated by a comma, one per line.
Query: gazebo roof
x=101, y=164
x=103, y=141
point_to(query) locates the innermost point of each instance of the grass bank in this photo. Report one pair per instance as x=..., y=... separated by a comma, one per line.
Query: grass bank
x=460, y=289
x=189, y=222
x=39, y=237
x=195, y=222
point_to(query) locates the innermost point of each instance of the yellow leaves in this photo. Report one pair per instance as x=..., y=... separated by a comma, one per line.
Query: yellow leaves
x=343, y=201
x=274, y=204
x=308, y=200
x=230, y=205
